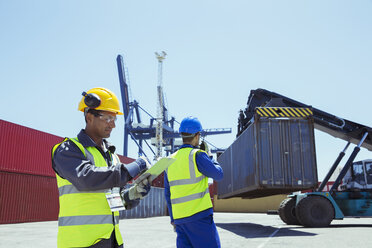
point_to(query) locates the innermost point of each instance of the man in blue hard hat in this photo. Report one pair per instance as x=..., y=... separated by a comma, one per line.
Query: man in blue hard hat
x=186, y=189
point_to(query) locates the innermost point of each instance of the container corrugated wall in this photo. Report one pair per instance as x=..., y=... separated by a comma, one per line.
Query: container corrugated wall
x=26, y=150
x=27, y=198
x=272, y=156
x=153, y=204
x=28, y=188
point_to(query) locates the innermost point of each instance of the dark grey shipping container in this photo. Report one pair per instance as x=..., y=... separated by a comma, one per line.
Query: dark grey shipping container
x=272, y=156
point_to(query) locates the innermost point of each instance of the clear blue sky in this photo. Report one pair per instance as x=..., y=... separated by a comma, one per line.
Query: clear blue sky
x=317, y=52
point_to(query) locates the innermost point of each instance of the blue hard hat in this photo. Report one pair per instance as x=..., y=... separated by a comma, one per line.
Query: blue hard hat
x=190, y=125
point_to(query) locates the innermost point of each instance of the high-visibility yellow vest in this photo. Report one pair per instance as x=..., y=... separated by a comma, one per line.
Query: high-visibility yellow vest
x=189, y=192
x=85, y=217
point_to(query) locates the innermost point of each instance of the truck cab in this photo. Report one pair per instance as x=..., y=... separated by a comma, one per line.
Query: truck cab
x=358, y=177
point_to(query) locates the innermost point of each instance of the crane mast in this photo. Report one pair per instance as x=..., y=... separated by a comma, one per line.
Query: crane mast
x=160, y=106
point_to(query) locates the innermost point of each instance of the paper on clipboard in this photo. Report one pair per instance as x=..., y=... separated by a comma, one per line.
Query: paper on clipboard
x=156, y=169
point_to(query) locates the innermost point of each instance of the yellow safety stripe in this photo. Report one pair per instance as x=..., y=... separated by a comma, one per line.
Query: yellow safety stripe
x=277, y=112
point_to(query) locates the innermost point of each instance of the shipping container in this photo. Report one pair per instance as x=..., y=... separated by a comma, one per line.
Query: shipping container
x=28, y=187
x=26, y=150
x=272, y=156
x=27, y=198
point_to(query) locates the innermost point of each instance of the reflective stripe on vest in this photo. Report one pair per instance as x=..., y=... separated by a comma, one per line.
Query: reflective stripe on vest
x=71, y=189
x=85, y=217
x=189, y=197
x=188, y=187
x=87, y=220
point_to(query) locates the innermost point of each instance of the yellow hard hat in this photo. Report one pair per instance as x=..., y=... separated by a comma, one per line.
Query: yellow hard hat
x=100, y=99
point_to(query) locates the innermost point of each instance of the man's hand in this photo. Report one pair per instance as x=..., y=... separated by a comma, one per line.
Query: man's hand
x=204, y=146
x=131, y=197
x=128, y=204
x=140, y=189
x=144, y=187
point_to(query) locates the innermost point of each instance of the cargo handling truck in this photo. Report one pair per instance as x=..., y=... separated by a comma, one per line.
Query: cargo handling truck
x=274, y=153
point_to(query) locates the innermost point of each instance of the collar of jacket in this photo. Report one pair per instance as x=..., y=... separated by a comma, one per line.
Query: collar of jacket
x=188, y=145
x=86, y=141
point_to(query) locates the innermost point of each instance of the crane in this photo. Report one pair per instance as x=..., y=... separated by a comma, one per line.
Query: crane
x=161, y=128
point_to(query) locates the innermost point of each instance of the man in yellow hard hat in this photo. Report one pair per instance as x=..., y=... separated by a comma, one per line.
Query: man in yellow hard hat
x=91, y=178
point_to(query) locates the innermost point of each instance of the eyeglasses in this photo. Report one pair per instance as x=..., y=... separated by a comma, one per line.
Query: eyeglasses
x=107, y=118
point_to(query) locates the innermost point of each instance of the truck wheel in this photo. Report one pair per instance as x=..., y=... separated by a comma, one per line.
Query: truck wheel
x=287, y=211
x=315, y=211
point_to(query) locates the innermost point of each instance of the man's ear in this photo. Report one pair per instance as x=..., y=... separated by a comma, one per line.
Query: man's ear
x=196, y=140
x=89, y=117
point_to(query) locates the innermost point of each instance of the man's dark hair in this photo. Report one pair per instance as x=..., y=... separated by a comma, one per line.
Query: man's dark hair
x=188, y=137
x=91, y=111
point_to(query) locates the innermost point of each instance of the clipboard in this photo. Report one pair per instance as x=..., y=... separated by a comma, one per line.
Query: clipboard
x=156, y=169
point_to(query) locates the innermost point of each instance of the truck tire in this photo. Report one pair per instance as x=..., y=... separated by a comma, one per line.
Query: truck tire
x=287, y=211
x=315, y=211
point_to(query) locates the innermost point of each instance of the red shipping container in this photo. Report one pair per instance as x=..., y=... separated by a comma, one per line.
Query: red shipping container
x=26, y=150
x=27, y=198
